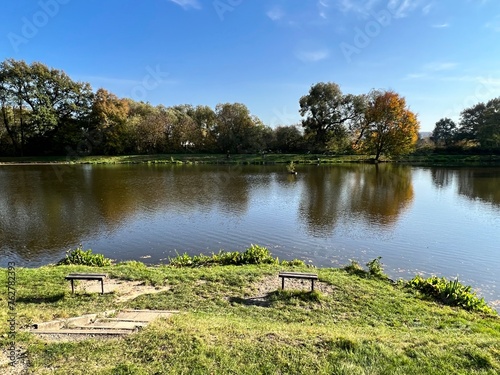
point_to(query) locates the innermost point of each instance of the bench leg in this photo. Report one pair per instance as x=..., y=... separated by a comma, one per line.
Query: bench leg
x=102, y=286
x=282, y=283
x=72, y=287
x=312, y=285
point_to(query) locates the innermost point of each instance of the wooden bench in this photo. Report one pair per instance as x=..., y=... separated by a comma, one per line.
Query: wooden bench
x=86, y=276
x=298, y=275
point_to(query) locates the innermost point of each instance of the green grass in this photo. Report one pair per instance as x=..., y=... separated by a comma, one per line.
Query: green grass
x=430, y=159
x=192, y=159
x=365, y=325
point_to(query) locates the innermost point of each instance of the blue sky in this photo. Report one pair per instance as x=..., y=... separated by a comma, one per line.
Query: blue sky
x=442, y=56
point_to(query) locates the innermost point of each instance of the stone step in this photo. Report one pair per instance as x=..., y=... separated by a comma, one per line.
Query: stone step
x=117, y=325
x=83, y=332
x=122, y=320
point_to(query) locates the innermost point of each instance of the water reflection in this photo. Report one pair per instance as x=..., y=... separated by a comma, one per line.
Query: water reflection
x=473, y=183
x=41, y=214
x=375, y=194
x=481, y=183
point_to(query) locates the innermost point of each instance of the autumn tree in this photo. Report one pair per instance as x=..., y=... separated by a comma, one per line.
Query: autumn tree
x=109, y=117
x=329, y=114
x=444, y=132
x=389, y=127
x=148, y=127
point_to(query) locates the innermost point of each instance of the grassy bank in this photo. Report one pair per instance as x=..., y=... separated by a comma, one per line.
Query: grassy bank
x=431, y=159
x=191, y=159
x=361, y=325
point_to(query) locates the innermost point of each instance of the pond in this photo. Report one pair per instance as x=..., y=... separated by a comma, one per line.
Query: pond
x=442, y=221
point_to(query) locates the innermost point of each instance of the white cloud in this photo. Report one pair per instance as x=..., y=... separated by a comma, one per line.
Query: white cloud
x=427, y=9
x=363, y=7
x=398, y=8
x=403, y=8
x=494, y=24
x=186, y=4
x=312, y=55
x=275, y=14
x=441, y=26
x=439, y=66
x=427, y=71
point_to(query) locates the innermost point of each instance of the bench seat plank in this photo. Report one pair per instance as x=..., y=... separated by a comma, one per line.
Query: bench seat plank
x=298, y=275
x=86, y=276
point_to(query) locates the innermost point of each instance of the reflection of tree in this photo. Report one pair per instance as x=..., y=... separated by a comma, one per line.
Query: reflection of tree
x=381, y=192
x=324, y=199
x=39, y=213
x=480, y=183
x=376, y=193
x=442, y=177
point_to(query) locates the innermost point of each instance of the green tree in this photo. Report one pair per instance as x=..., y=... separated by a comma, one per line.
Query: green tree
x=42, y=106
x=444, y=133
x=480, y=124
x=288, y=139
x=389, y=127
x=329, y=114
x=205, y=137
x=234, y=125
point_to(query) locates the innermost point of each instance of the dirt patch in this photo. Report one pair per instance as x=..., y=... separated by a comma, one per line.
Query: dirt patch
x=272, y=283
x=125, y=290
x=258, y=293
x=18, y=367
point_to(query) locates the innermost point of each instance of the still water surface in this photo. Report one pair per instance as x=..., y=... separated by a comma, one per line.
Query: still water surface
x=441, y=221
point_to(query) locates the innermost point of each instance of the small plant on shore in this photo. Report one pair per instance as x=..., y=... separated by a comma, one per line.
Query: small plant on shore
x=375, y=268
x=255, y=254
x=85, y=258
x=354, y=268
x=450, y=292
x=293, y=263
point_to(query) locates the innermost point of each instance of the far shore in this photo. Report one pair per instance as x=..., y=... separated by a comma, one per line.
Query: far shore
x=257, y=159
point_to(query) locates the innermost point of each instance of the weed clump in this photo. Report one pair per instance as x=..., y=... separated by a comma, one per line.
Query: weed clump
x=255, y=254
x=79, y=256
x=375, y=269
x=450, y=292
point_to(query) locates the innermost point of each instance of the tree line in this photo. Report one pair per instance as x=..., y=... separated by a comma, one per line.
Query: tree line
x=478, y=129
x=45, y=112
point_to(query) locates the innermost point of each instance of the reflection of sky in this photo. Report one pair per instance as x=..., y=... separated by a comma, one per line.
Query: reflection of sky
x=435, y=230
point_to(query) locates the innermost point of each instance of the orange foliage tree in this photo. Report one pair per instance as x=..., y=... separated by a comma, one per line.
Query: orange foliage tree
x=389, y=127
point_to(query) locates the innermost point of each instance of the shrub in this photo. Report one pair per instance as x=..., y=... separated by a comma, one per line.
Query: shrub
x=85, y=258
x=375, y=268
x=354, y=268
x=450, y=292
x=293, y=263
x=255, y=254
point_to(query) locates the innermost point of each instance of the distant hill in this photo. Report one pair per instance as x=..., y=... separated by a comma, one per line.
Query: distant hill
x=423, y=135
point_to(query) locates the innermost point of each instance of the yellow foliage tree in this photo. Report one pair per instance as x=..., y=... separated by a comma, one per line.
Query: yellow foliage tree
x=389, y=127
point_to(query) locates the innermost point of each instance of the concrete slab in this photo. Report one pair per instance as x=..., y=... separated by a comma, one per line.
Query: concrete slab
x=124, y=322
x=115, y=332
